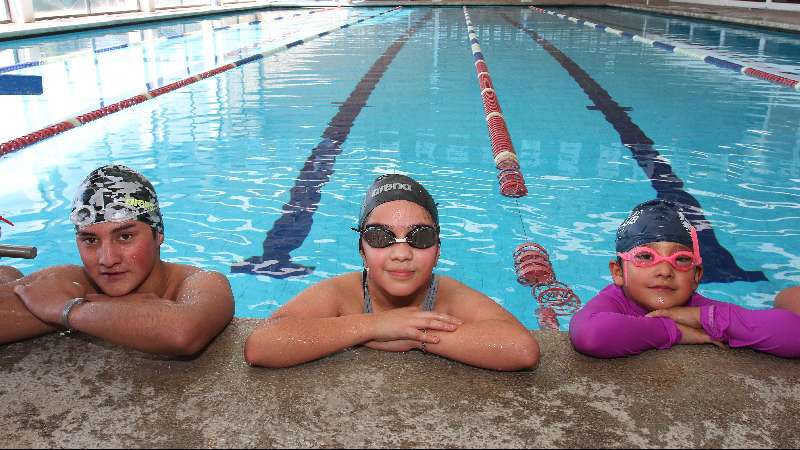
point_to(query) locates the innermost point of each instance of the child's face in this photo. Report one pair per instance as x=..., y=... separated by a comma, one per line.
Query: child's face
x=400, y=269
x=660, y=286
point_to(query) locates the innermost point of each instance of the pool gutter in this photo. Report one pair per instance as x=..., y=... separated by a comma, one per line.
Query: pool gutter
x=80, y=392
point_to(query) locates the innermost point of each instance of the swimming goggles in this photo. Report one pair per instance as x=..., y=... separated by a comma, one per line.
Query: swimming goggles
x=682, y=261
x=115, y=212
x=419, y=237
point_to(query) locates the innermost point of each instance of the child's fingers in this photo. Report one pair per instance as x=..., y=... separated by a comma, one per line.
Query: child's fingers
x=720, y=344
x=439, y=325
x=442, y=318
x=424, y=336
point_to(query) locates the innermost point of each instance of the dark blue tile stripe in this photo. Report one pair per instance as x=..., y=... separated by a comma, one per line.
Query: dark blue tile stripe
x=291, y=230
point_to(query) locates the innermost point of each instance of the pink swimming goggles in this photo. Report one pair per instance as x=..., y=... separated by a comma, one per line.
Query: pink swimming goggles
x=682, y=261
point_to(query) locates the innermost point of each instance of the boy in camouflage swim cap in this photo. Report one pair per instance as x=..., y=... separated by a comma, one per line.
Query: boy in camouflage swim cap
x=124, y=292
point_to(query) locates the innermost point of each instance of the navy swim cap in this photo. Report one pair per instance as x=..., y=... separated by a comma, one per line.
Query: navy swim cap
x=116, y=193
x=391, y=187
x=654, y=221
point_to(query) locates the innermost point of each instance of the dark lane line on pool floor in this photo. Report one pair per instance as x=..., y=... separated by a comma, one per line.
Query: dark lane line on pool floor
x=721, y=267
x=292, y=228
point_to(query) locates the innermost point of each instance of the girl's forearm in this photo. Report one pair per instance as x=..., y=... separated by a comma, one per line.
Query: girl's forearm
x=773, y=331
x=288, y=341
x=490, y=344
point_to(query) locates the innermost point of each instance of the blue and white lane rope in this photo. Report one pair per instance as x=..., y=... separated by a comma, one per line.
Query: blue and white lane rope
x=82, y=119
x=66, y=56
x=705, y=56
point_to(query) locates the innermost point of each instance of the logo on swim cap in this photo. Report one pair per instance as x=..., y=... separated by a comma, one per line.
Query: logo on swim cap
x=390, y=186
x=143, y=204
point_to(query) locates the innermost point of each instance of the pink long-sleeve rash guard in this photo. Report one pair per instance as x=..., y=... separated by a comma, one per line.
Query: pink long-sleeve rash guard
x=612, y=325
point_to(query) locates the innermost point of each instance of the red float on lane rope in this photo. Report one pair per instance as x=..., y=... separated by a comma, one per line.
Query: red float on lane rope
x=555, y=299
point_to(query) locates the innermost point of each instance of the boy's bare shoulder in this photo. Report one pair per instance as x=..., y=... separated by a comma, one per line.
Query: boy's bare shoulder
x=182, y=276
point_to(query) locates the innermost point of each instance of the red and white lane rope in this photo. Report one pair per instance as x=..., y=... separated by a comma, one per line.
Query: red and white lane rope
x=512, y=183
x=555, y=299
x=701, y=54
x=60, y=127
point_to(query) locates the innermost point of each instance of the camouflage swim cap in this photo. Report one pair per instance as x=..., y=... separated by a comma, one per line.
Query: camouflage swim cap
x=116, y=193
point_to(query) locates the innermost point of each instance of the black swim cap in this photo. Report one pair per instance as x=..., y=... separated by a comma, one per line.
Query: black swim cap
x=391, y=187
x=654, y=221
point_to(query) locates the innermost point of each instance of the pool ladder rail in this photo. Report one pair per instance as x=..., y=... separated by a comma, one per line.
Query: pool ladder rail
x=15, y=251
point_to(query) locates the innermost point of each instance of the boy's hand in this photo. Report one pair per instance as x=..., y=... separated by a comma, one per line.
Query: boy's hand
x=693, y=336
x=684, y=315
x=46, y=296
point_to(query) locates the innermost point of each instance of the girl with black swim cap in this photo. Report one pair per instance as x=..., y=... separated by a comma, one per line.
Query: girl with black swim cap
x=397, y=303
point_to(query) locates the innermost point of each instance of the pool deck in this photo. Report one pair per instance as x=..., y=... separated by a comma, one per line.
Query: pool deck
x=79, y=392
x=780, y=20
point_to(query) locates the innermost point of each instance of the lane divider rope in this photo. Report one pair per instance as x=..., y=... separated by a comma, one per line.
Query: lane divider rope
x=702, y=55
x=60, y=58
x=82, y=119
x=512, y=183
x=555, y=299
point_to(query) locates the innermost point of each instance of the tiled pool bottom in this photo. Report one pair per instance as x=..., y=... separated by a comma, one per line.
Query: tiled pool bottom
x=79, y=392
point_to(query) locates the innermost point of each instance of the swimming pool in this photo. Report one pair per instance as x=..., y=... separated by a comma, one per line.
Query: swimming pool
x=249, y=156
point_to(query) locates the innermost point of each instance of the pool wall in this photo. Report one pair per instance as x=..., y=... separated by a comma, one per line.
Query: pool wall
x=80, y=392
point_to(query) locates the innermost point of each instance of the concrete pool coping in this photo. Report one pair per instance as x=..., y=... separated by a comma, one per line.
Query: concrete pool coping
x=80, y=392
x=779, y=20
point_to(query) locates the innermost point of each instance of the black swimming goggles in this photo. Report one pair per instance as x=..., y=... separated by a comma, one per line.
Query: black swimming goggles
x=419, y=236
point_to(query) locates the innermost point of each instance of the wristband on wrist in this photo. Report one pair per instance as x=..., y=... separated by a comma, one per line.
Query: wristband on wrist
x=67, y=309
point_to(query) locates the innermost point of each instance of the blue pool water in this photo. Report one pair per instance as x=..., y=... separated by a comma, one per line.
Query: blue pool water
x=226, y=153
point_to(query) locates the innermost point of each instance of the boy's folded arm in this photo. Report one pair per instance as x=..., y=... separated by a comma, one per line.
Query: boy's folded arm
x=773, y=331
x=603, y=330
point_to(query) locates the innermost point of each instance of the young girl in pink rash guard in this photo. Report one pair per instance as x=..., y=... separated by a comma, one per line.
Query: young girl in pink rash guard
x=653, y=301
